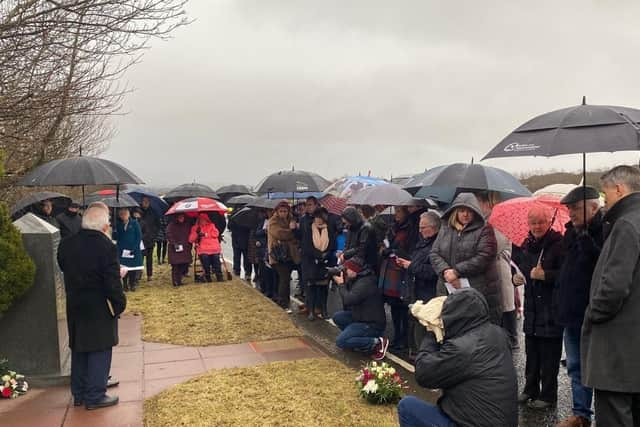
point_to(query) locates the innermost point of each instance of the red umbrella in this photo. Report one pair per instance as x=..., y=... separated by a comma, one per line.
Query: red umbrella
x=196, y=205
x=511, y=217
x=333, y=204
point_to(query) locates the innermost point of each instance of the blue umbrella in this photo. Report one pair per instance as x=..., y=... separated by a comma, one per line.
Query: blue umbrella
x=158, y=205
x=348, y=186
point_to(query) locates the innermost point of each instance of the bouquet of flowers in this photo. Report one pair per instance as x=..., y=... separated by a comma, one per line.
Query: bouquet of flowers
x=12, y=384
x=380, y=383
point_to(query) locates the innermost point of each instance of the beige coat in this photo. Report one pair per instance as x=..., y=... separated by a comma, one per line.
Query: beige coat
x=503, y=265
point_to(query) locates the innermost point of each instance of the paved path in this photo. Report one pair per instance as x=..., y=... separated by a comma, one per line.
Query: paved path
x=145, y=369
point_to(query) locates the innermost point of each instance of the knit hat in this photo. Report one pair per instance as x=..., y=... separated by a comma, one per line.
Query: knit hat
x=354, y=264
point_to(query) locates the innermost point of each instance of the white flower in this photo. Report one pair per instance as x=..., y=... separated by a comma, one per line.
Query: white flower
x=5, y=378
x=370, y=387
x=374, y=364
x=391, y=371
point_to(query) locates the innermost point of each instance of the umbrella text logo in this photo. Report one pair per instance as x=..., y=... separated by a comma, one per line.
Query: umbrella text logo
x=519, y=148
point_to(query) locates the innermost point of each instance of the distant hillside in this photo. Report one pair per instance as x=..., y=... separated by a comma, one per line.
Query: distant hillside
x=536, y=182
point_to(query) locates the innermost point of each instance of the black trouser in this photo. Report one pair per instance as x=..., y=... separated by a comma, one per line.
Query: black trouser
x=316, y=298
x=162, y=246
x=130, y=280
x=148, y=256
x=268, y=281
x=177, y=272
x=542, y=366
x=400, y=318
x=284, y=284
x=240, y=257
x=617, y=409
x=510, y=325
x=89, y=375
x=211, y=263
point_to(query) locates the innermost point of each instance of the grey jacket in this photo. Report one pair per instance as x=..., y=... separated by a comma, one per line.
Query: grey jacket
x=471, y=253
x=610, y=353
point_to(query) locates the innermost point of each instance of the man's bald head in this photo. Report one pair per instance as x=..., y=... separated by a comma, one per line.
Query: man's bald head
x=96, y=218
x=100, y=205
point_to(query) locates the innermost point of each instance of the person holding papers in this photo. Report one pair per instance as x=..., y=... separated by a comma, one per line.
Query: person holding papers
x=540, y=259
x=464, y=253
x=129, y=249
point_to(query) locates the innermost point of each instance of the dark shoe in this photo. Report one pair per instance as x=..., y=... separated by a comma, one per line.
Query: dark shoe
x=311, y=317
x=77, y=402
x=149, y=278
x=381, y=349
x=539, y=404
x=133, y=289
x=523, y=398
x=112, y=382
x=103, y=403
x=219, y=278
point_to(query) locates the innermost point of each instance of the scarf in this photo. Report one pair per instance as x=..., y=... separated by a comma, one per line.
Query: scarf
x=430, y=316
x=320, y=237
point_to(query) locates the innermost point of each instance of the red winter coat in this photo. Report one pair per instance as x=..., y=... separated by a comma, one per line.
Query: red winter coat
x=209, y=243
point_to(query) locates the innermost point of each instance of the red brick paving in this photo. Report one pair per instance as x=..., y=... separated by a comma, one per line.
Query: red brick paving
x=145, y=369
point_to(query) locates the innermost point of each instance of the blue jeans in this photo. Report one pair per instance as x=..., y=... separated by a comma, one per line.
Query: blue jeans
x=356, y=336
x=211, y=263
x=582, y=396
x=413, y=412
x=89, y=374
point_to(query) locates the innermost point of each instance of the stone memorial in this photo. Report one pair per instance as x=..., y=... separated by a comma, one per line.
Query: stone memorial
x=33, y=332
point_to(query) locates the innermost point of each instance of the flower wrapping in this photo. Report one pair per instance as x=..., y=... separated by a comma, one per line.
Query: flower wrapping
x=380, y=384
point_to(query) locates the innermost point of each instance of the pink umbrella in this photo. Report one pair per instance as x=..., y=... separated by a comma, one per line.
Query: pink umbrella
x=510, y=217
x=196, y=205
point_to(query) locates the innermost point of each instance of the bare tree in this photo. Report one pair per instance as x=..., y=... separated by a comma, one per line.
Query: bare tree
x=61, y=64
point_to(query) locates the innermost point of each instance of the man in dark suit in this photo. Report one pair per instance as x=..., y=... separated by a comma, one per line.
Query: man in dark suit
x=95, y=299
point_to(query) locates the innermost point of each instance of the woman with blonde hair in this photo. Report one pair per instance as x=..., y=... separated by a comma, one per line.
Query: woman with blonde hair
x=283, y=249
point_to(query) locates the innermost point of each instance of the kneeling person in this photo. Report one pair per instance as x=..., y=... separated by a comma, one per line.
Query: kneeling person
x=363, y=321
x=471, y=364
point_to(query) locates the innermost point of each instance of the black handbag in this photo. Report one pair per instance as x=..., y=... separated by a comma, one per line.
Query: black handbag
x=280, y=252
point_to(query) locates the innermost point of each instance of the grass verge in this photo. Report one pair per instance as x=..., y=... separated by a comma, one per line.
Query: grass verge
x=312, y=392
x=206, y=314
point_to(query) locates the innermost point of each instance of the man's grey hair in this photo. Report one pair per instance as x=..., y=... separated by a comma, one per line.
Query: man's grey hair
x=432, y=219
x=628, y=176
x=95, y=218
x=100, y=205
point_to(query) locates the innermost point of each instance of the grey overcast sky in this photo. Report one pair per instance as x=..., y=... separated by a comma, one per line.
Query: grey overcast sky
x=392, y=87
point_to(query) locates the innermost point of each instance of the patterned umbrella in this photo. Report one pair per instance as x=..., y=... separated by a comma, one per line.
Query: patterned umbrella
x=333, y=204
x=196, y=205
x=348, y=186
x=511, y=217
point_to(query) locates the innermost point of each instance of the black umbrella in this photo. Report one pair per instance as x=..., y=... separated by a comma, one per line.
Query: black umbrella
x=228, y=191
x=580, y=129
x=79, y=171
x=292, y=181
x=25, y=204
x=443, y=183
x=245, y=217
x=121, y=201
x=187, y=191
x=241, y=200
x=264, y=202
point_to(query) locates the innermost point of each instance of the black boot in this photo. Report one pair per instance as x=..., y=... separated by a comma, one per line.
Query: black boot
x=219, y=277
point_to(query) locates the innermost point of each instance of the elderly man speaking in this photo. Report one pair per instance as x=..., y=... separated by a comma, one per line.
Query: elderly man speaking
x=95, y=298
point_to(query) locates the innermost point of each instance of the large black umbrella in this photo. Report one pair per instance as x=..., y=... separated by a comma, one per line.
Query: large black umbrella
x=241, y=200
x=25, y=204
x=245, y=217
x=187, y=191
x=385, y=194
x=580, y=129
x=228, y=191
x=292, y=181
x=79, y=171
x=443, y=183
x=264, y=203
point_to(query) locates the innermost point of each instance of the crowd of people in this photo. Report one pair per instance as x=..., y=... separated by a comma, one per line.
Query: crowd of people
x=579, y=292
